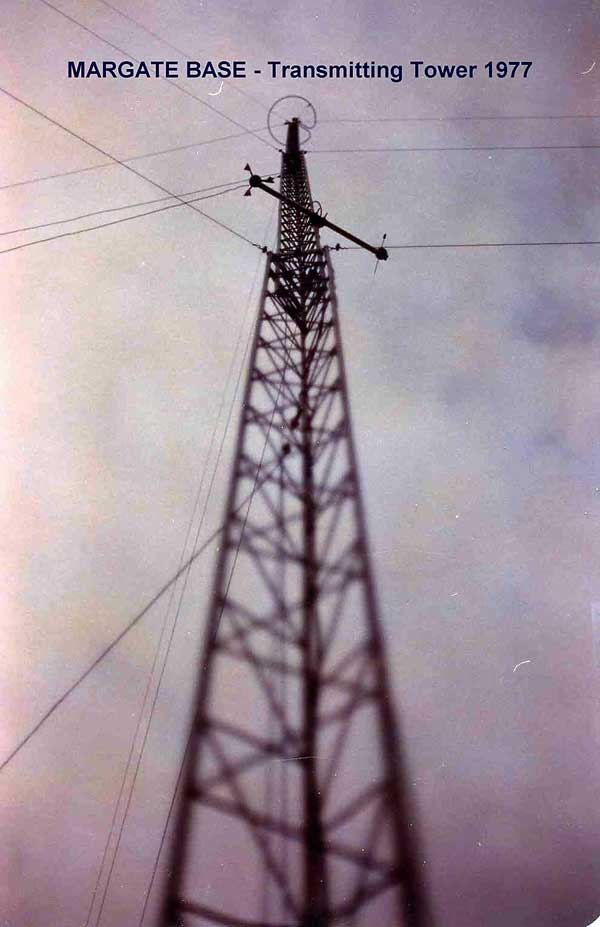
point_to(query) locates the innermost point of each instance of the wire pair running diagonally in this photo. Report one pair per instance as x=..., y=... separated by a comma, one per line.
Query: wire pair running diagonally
x=103, y=225
x=127, y=167
x=117, y=640
x=214, y=632
x=174, y=623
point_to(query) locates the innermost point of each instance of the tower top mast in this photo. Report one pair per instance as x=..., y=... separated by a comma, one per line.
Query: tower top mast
x=316, y=218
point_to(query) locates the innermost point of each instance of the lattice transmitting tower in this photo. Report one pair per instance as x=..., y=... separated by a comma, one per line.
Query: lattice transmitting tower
x=294, y=808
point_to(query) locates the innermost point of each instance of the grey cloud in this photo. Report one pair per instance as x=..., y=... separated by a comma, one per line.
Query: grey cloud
x=554, y=321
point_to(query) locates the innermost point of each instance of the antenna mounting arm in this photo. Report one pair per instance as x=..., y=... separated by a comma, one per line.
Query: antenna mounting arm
x=317, y=219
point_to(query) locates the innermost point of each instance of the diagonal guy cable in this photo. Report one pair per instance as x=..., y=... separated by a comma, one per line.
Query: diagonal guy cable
x=169, y=80
x=127, y=167
x=129, y=627
x=175, y=48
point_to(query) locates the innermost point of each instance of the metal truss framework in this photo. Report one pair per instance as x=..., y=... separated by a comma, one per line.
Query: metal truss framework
x=293, y=810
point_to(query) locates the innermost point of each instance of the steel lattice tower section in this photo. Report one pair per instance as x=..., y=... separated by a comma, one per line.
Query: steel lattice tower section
x=293, y=810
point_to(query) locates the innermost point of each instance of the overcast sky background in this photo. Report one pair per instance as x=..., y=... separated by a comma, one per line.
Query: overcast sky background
x=475, y=384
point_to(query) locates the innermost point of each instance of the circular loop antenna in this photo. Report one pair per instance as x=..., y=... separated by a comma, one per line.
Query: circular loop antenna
x=303, y=125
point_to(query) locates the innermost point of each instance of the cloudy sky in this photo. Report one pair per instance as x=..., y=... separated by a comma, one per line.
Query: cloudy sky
x=474, y=377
